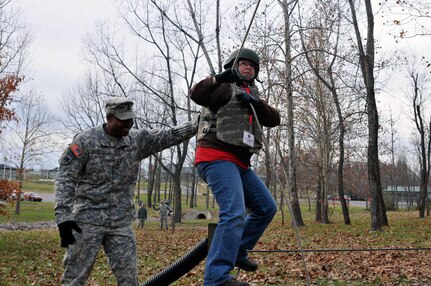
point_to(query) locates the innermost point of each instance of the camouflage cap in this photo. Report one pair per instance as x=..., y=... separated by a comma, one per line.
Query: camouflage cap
x=120, y=107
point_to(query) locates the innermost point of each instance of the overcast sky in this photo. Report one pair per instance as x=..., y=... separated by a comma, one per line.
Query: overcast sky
x=58, y=27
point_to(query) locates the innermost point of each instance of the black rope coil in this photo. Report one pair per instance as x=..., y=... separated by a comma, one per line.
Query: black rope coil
x=180, y=267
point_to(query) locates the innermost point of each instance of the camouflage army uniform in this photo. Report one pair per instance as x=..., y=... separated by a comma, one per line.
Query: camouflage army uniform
x=95, y=186
x=164, y=209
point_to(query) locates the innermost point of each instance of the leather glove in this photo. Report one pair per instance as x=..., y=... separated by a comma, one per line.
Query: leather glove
x=246, y=98
x=66, y=235
x=228, y=76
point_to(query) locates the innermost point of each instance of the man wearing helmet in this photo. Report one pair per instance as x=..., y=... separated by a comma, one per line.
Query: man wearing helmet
x=228, y=136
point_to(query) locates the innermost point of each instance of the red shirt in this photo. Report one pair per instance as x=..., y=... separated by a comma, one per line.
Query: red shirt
x=206, y=154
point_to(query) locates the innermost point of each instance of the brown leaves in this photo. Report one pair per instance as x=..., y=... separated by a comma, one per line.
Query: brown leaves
x=385, y=267
x=7, y=187
x=324, y=268
x=158, y=249
x=8, y=85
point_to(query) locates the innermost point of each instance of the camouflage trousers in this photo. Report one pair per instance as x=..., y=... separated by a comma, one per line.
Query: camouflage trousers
x=119, y=246
x=164, y=222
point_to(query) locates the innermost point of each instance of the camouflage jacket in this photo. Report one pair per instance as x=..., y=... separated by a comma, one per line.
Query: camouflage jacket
x=164, y=210
x=98, y=173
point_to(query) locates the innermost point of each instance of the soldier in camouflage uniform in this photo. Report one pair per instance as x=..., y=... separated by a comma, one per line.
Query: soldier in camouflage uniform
x=164, y=210
x=94, y=191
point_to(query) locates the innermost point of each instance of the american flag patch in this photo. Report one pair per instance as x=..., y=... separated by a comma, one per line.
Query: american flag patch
x=76, y=150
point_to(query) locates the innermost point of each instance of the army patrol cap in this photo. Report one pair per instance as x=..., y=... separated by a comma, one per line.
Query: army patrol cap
x=120, y=107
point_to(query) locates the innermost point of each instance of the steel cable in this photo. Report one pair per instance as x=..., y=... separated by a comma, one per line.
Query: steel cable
x=343, y=250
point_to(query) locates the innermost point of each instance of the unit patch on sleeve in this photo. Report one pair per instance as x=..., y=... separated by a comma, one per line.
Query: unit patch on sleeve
x=76, y=150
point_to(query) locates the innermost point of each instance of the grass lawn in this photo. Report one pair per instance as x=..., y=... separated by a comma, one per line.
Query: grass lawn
x=34, y=257
x=38, y=186
x=30, y=212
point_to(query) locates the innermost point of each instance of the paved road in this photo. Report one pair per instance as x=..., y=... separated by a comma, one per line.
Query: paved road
x=351, y=203
x=47, y=197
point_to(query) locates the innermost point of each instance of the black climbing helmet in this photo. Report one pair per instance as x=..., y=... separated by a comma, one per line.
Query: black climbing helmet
x=245, y=54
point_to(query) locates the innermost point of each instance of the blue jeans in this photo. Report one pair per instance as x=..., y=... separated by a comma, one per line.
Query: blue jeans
x=236, y=191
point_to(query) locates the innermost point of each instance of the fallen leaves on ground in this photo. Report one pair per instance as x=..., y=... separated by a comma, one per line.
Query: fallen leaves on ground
x=34, y=257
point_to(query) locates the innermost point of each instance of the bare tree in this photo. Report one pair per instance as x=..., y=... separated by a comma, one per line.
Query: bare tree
x=156, y=79
x=31, y=134
x=366, y=62
x=317, y=124
x=322, y=51
x=82, y=107
x=420, y=99
x=409, y=19
x=14, y=41
x=286, y=8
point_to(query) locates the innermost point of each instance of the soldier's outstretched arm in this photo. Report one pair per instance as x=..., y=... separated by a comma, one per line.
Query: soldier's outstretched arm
x=156, y=141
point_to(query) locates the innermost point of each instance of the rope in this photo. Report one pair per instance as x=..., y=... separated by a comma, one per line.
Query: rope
x=344, y=250
x=246, y=34
x=298, y=237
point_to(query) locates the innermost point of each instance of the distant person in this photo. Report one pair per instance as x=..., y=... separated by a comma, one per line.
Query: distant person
x=228, y=136
x=94, y=191
x=142, y=215
x=164, y=211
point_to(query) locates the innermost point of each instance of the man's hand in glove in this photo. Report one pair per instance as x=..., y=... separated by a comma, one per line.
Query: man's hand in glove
x=228, y=76
x=246, y=98
x=66, y=235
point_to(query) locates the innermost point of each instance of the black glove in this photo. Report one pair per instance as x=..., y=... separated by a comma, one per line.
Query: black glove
x=246, y=98
x=66, y=235
x=228, y=76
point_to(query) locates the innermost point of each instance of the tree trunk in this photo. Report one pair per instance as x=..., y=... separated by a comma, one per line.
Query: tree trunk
x=182, y=153
x=267, y=162
x=18, y=192
x=150, y=184
x=424, y=152
x=294, y=201
x=157, y=179
x=177, y=196
x=138, y=186
x=193, y=188
x=340, y=173
x=325, y=186
x=366, y=61
x=282, y=206
x=319, y=201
